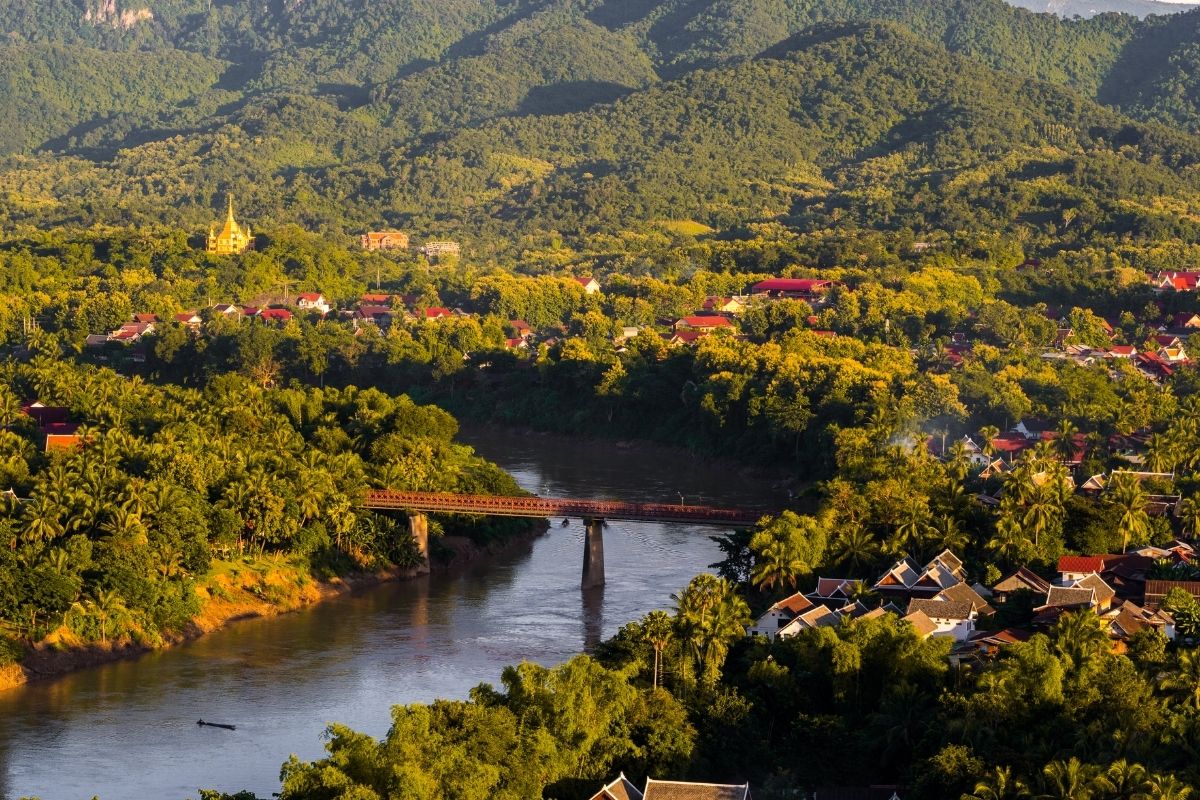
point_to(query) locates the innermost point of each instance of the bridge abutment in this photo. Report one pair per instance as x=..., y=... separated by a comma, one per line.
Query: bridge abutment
x=593, y=554
x=418, y=526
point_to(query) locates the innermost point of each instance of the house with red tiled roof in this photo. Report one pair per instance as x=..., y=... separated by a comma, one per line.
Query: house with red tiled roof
x=145, y=318
x=375, y=299
x=312, y=301
x=275, y=315
x=1121, y=351
x=436, y=313
x=683, y=338
x=832, y=591
x=1073, y=568
x=724, y=305
x=779, y=615
x=799, y=288
x=703, y=323
x=189, y=319
x=590, y=285
x=1175, y=281
x=983, y=645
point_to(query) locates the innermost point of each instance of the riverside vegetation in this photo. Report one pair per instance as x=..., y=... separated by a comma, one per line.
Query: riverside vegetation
x=958, y=167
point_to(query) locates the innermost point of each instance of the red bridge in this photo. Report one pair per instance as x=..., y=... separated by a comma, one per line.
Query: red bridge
x=592, y=512
x=495, y=506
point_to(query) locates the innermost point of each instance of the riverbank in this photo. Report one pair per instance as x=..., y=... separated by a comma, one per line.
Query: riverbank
x=242, y=589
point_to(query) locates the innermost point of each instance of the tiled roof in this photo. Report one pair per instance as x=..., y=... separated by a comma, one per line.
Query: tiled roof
x=794, y=604
x=1069, y=597
x=834, y=587
x=1023, y=578
x=961, y=593
x=1104, y=592
x=791, y=285
x=941, y=609
x=921, y=621
x=619, y=789
x=1081, y=564
x=677, y=790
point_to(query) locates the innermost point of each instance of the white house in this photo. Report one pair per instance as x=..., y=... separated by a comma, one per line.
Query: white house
x=312, y=301
x=955, y=619
x=779, y=615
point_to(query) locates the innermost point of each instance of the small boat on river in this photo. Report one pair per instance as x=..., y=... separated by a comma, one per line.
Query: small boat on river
x=204, y=724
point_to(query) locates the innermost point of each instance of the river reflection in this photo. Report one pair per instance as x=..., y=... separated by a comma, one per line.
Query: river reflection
x=129, y=729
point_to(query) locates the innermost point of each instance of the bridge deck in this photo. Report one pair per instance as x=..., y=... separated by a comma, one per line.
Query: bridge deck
x=556, y=507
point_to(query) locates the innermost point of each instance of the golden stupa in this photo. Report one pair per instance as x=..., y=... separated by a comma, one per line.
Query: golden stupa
x=231, y=239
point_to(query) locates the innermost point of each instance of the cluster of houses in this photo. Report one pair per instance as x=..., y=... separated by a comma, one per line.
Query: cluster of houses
x=624, y=789
x=936, y=599
x=57, y=431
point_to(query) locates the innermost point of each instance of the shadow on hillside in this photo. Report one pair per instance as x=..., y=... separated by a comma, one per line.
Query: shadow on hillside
x=570, y=96
x=1144, y=60
x=616, y=14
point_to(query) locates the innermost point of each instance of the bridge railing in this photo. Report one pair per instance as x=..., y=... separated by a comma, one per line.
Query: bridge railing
x=529, y=506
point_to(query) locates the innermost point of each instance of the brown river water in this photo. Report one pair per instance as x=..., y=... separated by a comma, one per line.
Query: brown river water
x=129, y=729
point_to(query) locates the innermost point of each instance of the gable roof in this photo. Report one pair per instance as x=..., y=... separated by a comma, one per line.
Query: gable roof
x=941, y=609
x=834, y=587
x=701, y=321
x=1070, y=597
x=1081, y=564
x=948, y=560
x=678, y=790
x=921, y=621
x=903, y=573
x=794, y=604
x=1023, y=578
x=1104, y=592
x=961, y=593
x=619, y=789
x=801, y=285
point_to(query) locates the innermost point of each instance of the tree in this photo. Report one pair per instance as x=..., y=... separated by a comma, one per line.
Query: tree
x=1184, y=681
x=1126, y=492
x=657, y=629
x=786, y=548
x=709, y=614
x=1000, y=785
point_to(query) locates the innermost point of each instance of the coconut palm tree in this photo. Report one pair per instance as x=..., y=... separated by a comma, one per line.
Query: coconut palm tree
x=710, y=614
x=1079, y=638
x=658, y=629
x=1184, y=681
x=777, y=564
x=1122, y=781
x=1065, y=440
x=988, y=434
x=1067, y=780
x=856, y=547
x=1000, y=785
x=1166, y=787
x=1126, y=492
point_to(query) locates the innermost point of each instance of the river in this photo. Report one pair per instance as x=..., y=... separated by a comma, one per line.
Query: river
x=129, y=729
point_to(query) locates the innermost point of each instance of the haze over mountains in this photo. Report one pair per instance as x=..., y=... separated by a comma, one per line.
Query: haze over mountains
x=1090, y=8
x=509, y=118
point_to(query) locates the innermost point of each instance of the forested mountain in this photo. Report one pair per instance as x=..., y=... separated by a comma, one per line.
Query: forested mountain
x=495, y=120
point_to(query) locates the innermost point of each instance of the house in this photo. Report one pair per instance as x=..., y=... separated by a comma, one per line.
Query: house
x=620, y=789
x=376, y=315
x=905, y=580
x=1122, y=351
x=227, y=310
x=983, y=645
x=1175, y=281
x=1073, y=568
x=436, y=313
x=1023, y=580
x=708, y=324
x=146, y=318
x=385, y=240
x=679, y=790
x=815, y=617
x=799, y=288
x=251, y=311
x=1185, y=320
x=1103, y=593
x=835, y=591
x=724, y=305
x=924, y=626
x=46, y=415
x=950, y=618
x=962, y=593
x=189, y=319
x=1128, y=619
x=623, y=789
x=62, y=442
x=312, y=301
x=590, y=285
x=779, y=615
x=1157, y=590
x=516, y=343
x=438, y=250
x=1061, y=599
x=370, y=299
x=520, y=328
x=280, y=315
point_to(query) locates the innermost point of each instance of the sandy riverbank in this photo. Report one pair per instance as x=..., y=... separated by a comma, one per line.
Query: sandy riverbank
x=234, y=591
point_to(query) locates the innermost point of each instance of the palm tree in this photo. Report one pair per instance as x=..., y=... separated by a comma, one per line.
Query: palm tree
x=1160, y=455
x=1000, y=785
x=1065, y=439
x=988, y=433
x=1122, y=781
x=1167, y=787
x=1125, y=490
x=1184, y=682
x=856, y=547
x=1067, y=780
x=657, y=629
x=1009, y=543
x=777, y=564
x=1189, y=515
x=1079, y=638
x=710, y=614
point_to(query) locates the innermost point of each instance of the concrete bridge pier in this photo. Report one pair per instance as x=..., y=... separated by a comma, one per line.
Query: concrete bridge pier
x=418, y=526
x=593, y=554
